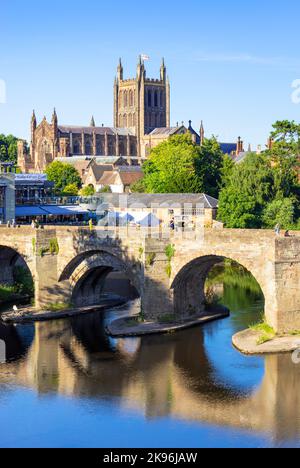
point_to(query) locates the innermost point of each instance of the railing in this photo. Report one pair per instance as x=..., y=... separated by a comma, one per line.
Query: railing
x=21, y=201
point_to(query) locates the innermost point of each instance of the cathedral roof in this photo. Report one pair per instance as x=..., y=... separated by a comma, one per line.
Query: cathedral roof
x=97, y=130
x=228, y=148
x=165, y=131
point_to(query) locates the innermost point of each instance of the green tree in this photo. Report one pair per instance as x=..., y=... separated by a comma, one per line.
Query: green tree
x=62, y=175
x=8, y=148
x=138, y=186
x=247, y=188
x=70, y=190
x=280, y=211
x=179, y=166
x=87, y=191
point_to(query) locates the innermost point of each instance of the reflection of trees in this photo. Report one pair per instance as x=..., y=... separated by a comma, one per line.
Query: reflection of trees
x=169, y=375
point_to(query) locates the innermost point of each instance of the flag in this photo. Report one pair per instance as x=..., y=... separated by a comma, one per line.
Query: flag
x=145, y=57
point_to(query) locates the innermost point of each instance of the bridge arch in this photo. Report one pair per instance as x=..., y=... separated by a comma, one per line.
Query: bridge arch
x=86, y=275
x=188, y=284
x=11, y=259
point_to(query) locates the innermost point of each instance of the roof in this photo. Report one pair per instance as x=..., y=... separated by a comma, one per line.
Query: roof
x=97, y=159
x=161, y=199
x=128, y=178
x=97, y=130
x=228, y=148
x=166, y=131
x=98, y=170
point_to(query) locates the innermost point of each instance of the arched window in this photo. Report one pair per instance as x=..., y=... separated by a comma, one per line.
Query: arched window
x=155, y=99
x=131, y=98
x=88, y=148
x=76, y=147
x=125, y=120
x=149, y=98
x=161, y=99
x=120, y=98
x=125, y=99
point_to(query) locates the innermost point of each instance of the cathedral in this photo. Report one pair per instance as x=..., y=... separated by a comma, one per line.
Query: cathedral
x=141, y=121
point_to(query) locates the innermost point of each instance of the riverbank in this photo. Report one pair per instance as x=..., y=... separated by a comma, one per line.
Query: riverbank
x=248, y=342
x=132, y=326
x=29, y=314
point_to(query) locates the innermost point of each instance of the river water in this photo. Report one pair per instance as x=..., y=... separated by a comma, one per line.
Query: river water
x=66, y=384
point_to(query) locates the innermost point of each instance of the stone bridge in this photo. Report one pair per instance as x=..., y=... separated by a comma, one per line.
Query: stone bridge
x=70, y=265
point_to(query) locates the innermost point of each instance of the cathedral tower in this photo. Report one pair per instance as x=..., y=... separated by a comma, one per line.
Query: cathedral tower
x=141, y=104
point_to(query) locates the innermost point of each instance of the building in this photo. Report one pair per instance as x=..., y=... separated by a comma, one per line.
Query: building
x=141, y=122
x=24, y=197
x=120, y=180
x=186, y=210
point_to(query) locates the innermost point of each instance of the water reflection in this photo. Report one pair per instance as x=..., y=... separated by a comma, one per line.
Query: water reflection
x=176, y=375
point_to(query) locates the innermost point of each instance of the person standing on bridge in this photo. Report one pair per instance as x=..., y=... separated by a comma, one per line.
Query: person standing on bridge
x=277, y=229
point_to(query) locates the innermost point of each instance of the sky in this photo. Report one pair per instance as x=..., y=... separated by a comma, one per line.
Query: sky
x=231, y=64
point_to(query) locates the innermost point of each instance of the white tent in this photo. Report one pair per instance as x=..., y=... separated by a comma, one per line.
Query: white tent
x=149, y=220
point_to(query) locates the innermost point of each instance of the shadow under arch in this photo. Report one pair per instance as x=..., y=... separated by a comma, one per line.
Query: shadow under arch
x=15, y=268
x=189, y=283
x=87, y=274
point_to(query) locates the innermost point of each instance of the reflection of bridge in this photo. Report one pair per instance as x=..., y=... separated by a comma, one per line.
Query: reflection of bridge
x=166, y=284
x=171, y=377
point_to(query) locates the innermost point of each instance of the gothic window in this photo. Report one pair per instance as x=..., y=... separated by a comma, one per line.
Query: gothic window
x=88, y=148
x=125, y=99
x=131, y=98
x=120, y=98
x=149, y=98
x=125, y=121
x=161, y=99
x=155, y=99
x=76, y=148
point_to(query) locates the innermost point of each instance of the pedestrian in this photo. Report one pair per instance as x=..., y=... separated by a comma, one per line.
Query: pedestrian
x=277, y=229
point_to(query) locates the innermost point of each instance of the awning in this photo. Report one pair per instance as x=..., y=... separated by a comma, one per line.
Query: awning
x=22, y=211
x=46, y=210
x=58, y=210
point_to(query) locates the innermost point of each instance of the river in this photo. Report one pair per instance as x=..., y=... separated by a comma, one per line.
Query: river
x=66, y=384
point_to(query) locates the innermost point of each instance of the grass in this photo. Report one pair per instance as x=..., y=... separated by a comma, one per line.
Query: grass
x=58, y=306
x=267, y=333
x=167, y=318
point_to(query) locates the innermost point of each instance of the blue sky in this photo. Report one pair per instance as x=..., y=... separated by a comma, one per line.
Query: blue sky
x=230, y=63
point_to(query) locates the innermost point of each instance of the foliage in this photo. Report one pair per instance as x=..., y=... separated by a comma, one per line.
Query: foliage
x=279, y=212
x=267, y=333
x=8, y=148
x=63, y=175
x=71, y=190
x=87, y=191
x=150, y=259
x=179, y=166
x=249, y=187
x=23, y=281
x=138, y=186
x=170, y=253
x=53, y=246
x=105, y=189
x=58, y=306
x=23, y=285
